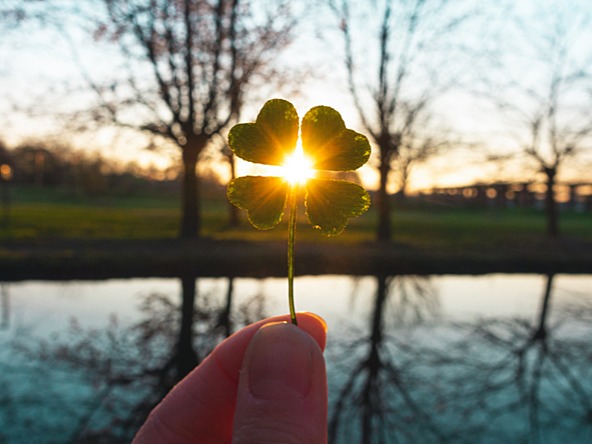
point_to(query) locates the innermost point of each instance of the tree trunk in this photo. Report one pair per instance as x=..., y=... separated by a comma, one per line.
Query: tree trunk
x=370, y=395
x=402, y=193
x=190, y=209
x=233, y=214
x=5, y=198
x=384, y=211
x=541, y=331
x=225, y=316
x=550, y=204
x=405, y=166
x=186, y=358
x=5, y=319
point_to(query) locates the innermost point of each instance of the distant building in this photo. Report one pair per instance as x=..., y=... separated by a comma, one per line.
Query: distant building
x=574, y=196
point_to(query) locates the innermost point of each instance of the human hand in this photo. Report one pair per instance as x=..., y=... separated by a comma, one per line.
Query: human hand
x=264, y=384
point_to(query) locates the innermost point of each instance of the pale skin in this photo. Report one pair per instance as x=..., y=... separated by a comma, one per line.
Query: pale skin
x=264, y=384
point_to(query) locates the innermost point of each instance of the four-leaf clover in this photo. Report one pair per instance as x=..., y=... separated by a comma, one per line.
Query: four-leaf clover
x=325, y=141
x=272, y=140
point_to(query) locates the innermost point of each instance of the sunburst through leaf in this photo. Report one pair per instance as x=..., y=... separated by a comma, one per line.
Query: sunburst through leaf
x=326, y=145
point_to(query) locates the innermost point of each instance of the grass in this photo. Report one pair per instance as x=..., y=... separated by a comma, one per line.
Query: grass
x=40, y=214
x=56, y=235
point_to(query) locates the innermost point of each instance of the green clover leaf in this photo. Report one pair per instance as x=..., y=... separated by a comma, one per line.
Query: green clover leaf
x=329, y=144
x=326, y=141
x=264, y=198
x=331, y=203
x=270, y=138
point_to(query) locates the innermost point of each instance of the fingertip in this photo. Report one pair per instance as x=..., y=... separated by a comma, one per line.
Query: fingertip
x=314, y=325
x=315, y=316
x=282, y=393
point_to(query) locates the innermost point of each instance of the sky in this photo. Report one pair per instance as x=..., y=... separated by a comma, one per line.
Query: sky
x=39, y=65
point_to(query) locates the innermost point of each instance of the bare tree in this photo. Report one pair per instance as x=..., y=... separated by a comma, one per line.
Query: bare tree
x=493, y=378
x=375, y=389
x=189, y=65
x=538, y=364
x=544, y=88
x=128, y=368
x=233, y=210
x=418, y=148
x=395, y=75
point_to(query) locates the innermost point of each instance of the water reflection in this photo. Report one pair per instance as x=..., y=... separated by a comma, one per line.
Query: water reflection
x=533, y=377
x=5, y=307
x=400, y=371
x=487, y=380
x=129, y=368
x=375, y=398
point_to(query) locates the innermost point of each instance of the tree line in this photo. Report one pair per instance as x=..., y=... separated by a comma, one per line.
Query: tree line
x=191, y=67
x=89, y=174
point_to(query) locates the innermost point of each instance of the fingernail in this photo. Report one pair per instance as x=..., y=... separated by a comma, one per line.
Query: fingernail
x=280, y=362
x=318, y=318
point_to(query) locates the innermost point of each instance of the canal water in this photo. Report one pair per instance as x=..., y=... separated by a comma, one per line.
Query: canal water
x=449, y=358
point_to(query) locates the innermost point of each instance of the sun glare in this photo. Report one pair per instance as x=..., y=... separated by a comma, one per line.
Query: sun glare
x=297, y=168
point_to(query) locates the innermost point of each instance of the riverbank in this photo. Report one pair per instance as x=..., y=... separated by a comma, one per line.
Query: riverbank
x=50, y=235
x=114, y=258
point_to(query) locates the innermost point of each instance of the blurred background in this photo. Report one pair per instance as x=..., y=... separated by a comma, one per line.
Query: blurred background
x=462, y=299
x=461, y=100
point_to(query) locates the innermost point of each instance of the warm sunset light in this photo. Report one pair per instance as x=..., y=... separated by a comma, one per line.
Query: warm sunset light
x=297, y=168
x=5, y=172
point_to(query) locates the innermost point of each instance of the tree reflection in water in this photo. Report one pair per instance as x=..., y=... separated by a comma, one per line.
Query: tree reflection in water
x=532, y=379
x=132, y=367
x=5, y=305
x=408, y=376
x=490, y=380
x=368, y=406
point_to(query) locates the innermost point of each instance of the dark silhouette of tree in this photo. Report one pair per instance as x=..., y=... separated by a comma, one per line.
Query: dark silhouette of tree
x=398, y=59
x=233, y=210
x=131, y=368
x=542, y=87
x=185, y=356
x=538, y=371
x=201, y=57
x=225, y=320
x=376, y=388
x=407, y=375
x=499, y=379
x=36, y=164
x=5, y=304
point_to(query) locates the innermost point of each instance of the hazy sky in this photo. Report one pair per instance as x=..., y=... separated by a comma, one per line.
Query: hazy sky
x=39, y=65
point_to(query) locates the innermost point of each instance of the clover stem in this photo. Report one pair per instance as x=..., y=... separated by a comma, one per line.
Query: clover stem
x=291, y=231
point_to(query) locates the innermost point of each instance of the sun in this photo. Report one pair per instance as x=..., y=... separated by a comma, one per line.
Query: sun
x=297, y=168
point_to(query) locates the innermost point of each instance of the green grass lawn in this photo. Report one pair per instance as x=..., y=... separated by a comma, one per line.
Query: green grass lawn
x=39, y=214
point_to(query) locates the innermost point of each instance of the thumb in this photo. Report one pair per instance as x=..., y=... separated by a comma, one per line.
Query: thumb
x=282, y=392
